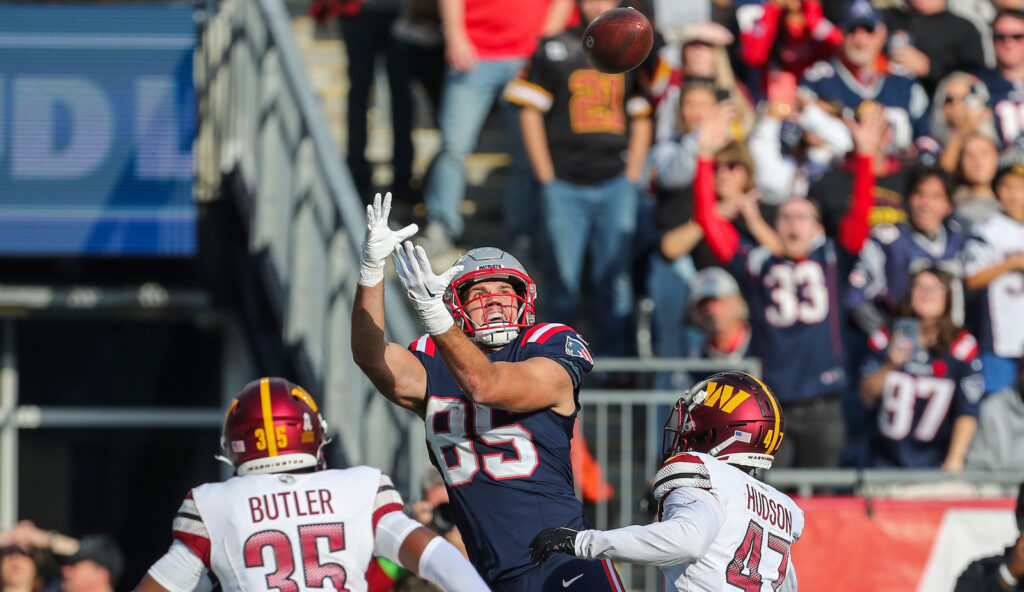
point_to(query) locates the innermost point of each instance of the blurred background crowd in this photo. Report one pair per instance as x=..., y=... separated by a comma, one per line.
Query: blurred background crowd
x=863, y=229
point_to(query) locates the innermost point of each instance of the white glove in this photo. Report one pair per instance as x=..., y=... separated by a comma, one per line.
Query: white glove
x=424, y=287
x=379, y=241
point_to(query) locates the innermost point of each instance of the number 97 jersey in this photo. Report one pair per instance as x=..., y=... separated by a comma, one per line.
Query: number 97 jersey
x=288, y=532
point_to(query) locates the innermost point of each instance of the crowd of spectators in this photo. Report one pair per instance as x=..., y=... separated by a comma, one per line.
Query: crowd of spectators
x=835, y=188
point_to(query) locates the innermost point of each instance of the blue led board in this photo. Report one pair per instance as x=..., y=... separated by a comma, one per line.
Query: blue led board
x=97, y=119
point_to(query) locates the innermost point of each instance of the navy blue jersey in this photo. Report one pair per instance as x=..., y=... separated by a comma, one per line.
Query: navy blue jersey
x=894, y=254
x=795, y=314
x=508, y=474
x=1006, y=99
x=905, y=101
x=920, y=401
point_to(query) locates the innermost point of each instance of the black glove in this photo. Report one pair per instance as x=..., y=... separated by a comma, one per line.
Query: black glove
x=552, y=540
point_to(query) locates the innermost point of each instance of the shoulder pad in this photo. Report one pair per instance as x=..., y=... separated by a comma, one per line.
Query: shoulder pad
x=819, y=71
x=423, y=344
x=879, y=339
x=964, y=347
x=885, y=233
x=188, y=527
x=757, y=259
x=541, y=332
x=748, y=15
x=555, y=50
x=681, y=470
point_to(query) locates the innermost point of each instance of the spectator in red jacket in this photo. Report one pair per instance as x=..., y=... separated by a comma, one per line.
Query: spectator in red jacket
x=788, y=35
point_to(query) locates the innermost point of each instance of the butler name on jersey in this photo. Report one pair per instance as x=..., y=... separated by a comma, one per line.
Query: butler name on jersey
x=285, y=522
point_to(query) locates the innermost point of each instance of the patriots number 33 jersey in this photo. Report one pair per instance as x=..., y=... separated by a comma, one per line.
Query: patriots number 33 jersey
x=508, y=474
x=288, y=532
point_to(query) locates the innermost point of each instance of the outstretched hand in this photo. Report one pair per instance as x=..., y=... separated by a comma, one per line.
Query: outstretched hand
x=425, y=288
x=550, y=541
x=379, y=240
x=870, y=129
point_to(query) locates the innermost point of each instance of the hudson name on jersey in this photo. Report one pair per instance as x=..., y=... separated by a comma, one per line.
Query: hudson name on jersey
x=728, y=529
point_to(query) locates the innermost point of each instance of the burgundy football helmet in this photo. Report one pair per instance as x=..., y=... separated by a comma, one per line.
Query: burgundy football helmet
x=731, y=416
x=273, y=426
x=491, y=264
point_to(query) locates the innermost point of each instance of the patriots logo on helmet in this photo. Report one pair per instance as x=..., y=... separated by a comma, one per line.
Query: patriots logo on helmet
x=575, y=347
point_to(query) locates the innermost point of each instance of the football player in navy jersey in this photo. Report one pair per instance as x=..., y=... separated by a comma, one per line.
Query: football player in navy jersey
x=1006, y=82
x=498, y=394
x=925, y=386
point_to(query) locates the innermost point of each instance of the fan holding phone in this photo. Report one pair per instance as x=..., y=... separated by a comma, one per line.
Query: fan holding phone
x=924, y=380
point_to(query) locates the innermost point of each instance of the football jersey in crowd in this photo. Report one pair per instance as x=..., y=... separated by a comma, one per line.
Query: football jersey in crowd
x=1006, y=99
x=894, y=254
x=508, y=474
x=905, y=101
x=999, y=325
x=833, y=192
x=921, y=399
x=317, y=526
x=795, y=313
x=586, y=112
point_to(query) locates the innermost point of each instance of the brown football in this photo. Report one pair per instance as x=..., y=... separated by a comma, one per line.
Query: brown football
x=618, y=40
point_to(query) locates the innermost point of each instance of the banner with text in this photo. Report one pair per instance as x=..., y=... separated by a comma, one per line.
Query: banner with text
x=97, y=119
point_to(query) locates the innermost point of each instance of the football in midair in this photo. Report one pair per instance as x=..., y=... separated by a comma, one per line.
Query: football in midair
x=618, y=40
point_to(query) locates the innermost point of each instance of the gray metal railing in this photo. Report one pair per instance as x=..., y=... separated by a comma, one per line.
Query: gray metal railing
x=262, y=130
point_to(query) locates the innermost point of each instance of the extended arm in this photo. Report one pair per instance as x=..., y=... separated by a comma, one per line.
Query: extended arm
x=868, y=135
x=693, y=518
x=402, y=540
x=641, y=130
x=392, y=369
x=964, y=428
x=535, y=140
x=720, y=235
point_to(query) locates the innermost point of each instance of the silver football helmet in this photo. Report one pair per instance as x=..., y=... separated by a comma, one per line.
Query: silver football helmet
x=491, y=264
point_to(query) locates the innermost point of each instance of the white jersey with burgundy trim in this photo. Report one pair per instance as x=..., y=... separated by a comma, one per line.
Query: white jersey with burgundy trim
x=719, y=529
x=751, y=550
x=288, y=531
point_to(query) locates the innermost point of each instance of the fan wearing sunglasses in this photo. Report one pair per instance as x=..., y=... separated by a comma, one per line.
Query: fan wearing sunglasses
x=1006, y=82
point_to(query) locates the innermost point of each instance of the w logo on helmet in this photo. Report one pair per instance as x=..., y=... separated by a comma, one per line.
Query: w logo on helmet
x=724, y=396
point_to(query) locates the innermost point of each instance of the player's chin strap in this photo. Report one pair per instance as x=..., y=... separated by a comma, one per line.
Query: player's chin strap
x=224, y=460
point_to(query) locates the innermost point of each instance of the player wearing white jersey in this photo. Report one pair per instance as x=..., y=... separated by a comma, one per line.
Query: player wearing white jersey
x=287, y=523
x=719, y=528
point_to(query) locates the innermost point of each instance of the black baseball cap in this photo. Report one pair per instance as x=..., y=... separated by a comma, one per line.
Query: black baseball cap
x=102, y=550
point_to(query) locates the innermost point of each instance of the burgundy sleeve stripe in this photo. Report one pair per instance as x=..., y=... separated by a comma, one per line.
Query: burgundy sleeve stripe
x=197, y=544
x=683, y=457
x=382, y=511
